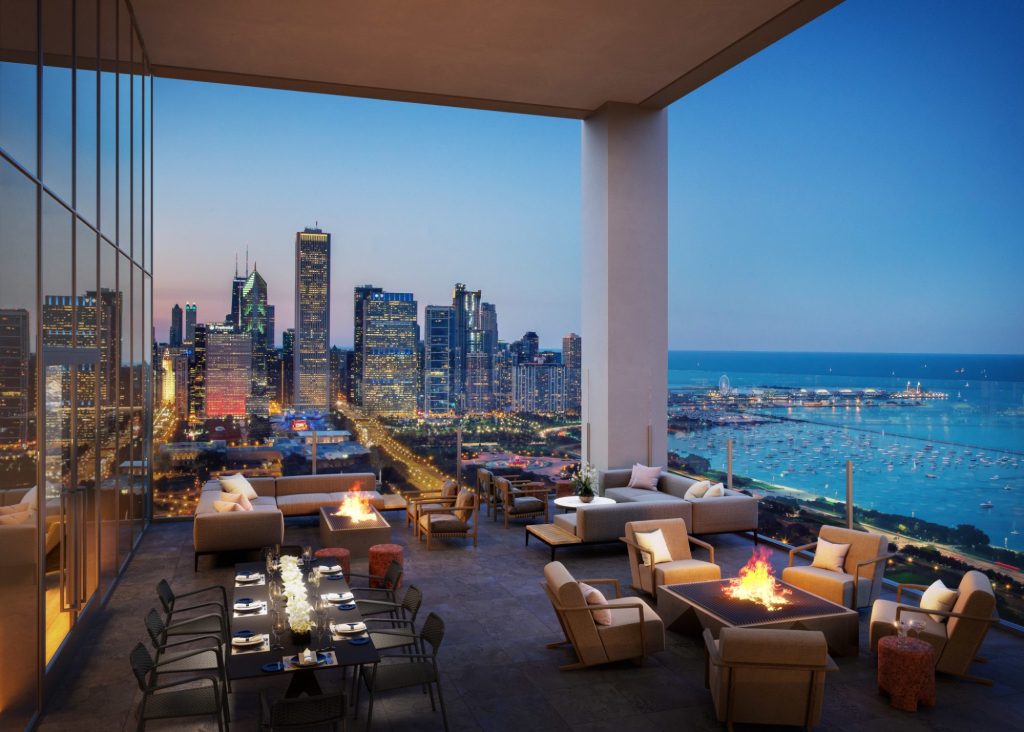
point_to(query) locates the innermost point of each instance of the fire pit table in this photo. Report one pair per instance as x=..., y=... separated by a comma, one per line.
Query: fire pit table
x=356, y=536
x=689, y=608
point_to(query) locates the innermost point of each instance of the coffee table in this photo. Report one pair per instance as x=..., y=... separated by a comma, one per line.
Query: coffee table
x=571, y=503
x=356, y=537
x=691, y=607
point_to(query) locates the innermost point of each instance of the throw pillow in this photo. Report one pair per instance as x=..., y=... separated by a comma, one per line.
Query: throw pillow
x=715, y=491
x=29, y=499
x=594, y=596
x=653, y=542
x=448, y=489
x=238, y=484
x=16, y=508
x=225, y=506
x=830, y=556
x=463, y=505
x=697, y=490
x=939, y=597
x=14, y=519
x=644, y=476
x=239, y=498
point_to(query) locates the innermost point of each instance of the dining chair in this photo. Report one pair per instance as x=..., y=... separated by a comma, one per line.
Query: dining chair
x=200, y=694
x=169, y=598
x=303, y=713
x=417, y=670
x=402, y=621
x=208, y=624
x=391, y=578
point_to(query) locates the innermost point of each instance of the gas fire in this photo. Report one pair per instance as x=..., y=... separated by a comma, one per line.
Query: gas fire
x=357, y=507
x=756, y=582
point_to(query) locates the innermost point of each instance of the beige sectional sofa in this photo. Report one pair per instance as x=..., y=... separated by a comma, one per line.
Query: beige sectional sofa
x=296, y=495
x=734, y=511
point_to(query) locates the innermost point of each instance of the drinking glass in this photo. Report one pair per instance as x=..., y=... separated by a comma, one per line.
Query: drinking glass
x=307, y=555
x=915, y=627
x=279, y=627
x=901, y=628
x=314, y=581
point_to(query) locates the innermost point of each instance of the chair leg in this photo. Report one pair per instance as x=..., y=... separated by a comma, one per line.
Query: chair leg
x=444, y=713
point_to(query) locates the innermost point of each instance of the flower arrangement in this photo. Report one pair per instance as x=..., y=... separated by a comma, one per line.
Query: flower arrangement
x=584, y=478
x=299, y=609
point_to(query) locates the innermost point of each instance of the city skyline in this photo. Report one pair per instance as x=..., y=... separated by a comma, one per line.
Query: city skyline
x=880, y=187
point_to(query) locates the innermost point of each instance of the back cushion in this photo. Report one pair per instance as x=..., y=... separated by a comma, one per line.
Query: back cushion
x=976, y=598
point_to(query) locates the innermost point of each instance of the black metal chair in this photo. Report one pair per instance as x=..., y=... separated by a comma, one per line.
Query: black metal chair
x=170, y=599
x=419, y=669
x=402, y=633
x=206, y=654
x=303, y=713
x=391, y=578
x=200, y=694
x=209, y=624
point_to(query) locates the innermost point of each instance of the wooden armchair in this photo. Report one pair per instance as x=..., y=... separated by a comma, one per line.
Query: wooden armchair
x=634, y=632
x=860, y=582
x=414, y=505
x=525, y=501
x=681, y=567
x=454, y=518
x=957, y=638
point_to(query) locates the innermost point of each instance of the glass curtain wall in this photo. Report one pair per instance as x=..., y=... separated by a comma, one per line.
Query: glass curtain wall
x=75, y=324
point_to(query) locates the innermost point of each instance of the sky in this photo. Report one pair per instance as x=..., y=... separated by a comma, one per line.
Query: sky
x=854, y=187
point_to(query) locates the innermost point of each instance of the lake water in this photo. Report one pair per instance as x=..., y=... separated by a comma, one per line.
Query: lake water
x=939, y=461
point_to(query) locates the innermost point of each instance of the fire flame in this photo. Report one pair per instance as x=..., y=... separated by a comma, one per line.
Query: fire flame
x=357, y=507
x=756, y=582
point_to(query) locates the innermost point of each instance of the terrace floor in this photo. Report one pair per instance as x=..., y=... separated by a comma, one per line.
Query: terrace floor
x=497, y=673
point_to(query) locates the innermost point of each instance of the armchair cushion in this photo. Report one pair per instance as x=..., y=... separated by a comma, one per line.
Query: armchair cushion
x=464, y=505
x=939, y=597
x=594, y=596
x=442, y=523
x=829, y=555
x=620, y=639
x=773, y=646
x=644, y=477
x=697, y=490
x=681, y=571
x=836, y=587
x=883, y=619
x=526, y=504
x=654, y=542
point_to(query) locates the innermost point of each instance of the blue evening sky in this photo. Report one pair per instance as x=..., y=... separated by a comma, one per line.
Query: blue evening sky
x=855, y=187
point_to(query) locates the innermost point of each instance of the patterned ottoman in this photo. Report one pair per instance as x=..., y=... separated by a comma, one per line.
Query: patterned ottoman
x=906, y=670
x=381, y=556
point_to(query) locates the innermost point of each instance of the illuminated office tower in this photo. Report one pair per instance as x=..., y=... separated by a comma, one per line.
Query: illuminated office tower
x=468, y=338
x=189, y=337
x=288, y=367
x=167, y=383
x=572, y=360
x=359, y=297
x=174, y=337
x=253, y=322
x=312, y=319
x=197, y=375
x=234, y=318
x=228, y=370
x=503, y=374
x=271, y=325
x=14, y=377
x=390, y=335
x=438, y=344
x=540, y=388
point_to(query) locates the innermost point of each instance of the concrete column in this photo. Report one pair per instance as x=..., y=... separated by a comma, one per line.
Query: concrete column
x=625, y=286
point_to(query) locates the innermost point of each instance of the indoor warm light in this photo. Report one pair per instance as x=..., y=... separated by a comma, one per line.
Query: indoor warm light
x=756, y=582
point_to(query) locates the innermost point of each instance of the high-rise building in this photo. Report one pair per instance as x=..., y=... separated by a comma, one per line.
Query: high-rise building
x=468, y=337
x=271, y=325
x=503, y=374
x=489, y=326
x=529, y=347
x=572, y=360
x=312, y=319
x=341, y=365
x=540, y=388
x=438, y=346
x=288, y=367
x=15, y=377
x=174, y=337
x=253, y=322
x=234, y=318
x=228, y=371
x=359, y=297
x=197, y=375
x=390, y=335
x=189, y=338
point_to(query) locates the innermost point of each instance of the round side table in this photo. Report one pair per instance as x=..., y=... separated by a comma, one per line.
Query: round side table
x=571, y=503
x=906, y=671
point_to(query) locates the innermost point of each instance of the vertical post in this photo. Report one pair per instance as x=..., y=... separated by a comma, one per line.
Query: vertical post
x=458, y=457
x=314, y=452
x=728, y=465
x=849, y=494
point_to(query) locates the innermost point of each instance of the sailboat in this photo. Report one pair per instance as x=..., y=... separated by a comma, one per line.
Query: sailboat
x=987, y=504
x=1014, y=529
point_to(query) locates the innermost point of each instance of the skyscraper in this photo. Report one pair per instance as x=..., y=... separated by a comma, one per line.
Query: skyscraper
x=572, y=360
x=189, y=338
x=228, y=371
x=359, y=297
x=271, y=325
x=468, y=337
x=540, y=388
x=489, y=326
x=174, y=337
x=253, y=322
x=390, y=335
x=312, y=319
x=438, y=344
x=197, y=374
x=234, y=318
x=503, y=374
x=288, y=367
x=14, y=377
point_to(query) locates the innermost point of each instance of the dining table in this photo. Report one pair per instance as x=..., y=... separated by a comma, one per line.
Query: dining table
x=252, y=614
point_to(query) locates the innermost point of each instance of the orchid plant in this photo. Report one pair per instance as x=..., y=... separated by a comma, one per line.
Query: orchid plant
x=584, y=478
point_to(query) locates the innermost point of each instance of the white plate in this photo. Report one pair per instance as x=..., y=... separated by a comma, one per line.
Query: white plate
x=254, y=577
x=345, y=628
x=248, y=608
x=250, y=641
x=329, y=570
x=339, y=597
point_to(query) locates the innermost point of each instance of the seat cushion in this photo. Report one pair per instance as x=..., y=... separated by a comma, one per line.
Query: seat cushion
x=621, y=639
x=685, y=570
x=526, y=504
x=637, y=495
x=836, y=587
x=304, y=504
x=442, y=523
x=566, y=521
x=883, y=617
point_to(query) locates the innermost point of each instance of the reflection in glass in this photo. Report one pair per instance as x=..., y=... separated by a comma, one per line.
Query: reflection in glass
x=124, y=130
x=85, y=109
x=56, y=125
x=110, y=337
x=18, y=81
x=108, y=118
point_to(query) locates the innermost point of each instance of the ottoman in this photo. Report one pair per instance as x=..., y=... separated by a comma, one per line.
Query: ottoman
x=381, y=556
x=906, y=671
x=340, y=555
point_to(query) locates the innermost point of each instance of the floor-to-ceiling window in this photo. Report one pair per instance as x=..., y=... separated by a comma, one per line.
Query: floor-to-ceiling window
x=75, y=324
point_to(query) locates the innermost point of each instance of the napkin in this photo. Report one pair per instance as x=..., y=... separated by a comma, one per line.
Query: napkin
x=358, y=627
x=308, y=658
x=330, y=570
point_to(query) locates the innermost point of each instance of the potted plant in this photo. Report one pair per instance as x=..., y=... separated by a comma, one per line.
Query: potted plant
x=583, y=480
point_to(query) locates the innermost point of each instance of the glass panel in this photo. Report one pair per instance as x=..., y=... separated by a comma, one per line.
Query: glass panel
x=18, y=59
x=138, y=149
x=19, y=578
x=138, y=458
x=109, y=306
x=124, y=129
x=149, y=179
x=124, y=419
x=108, y=118
x=58, y=320
x=86, y=93
x=87, y=339
x=57, y=112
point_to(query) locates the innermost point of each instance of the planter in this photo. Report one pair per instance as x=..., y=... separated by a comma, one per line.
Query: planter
x=301, y=639
x=586, y=499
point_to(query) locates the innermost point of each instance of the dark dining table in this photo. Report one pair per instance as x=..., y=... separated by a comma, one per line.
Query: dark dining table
x=245, y=664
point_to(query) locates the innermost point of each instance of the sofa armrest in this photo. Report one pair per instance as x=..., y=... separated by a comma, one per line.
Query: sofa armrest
x=613, y=479
x=233, y=530
x=731, y=512
x=674, y=484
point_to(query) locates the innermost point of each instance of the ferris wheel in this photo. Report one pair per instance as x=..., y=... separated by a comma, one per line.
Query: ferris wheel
x=723, y=385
